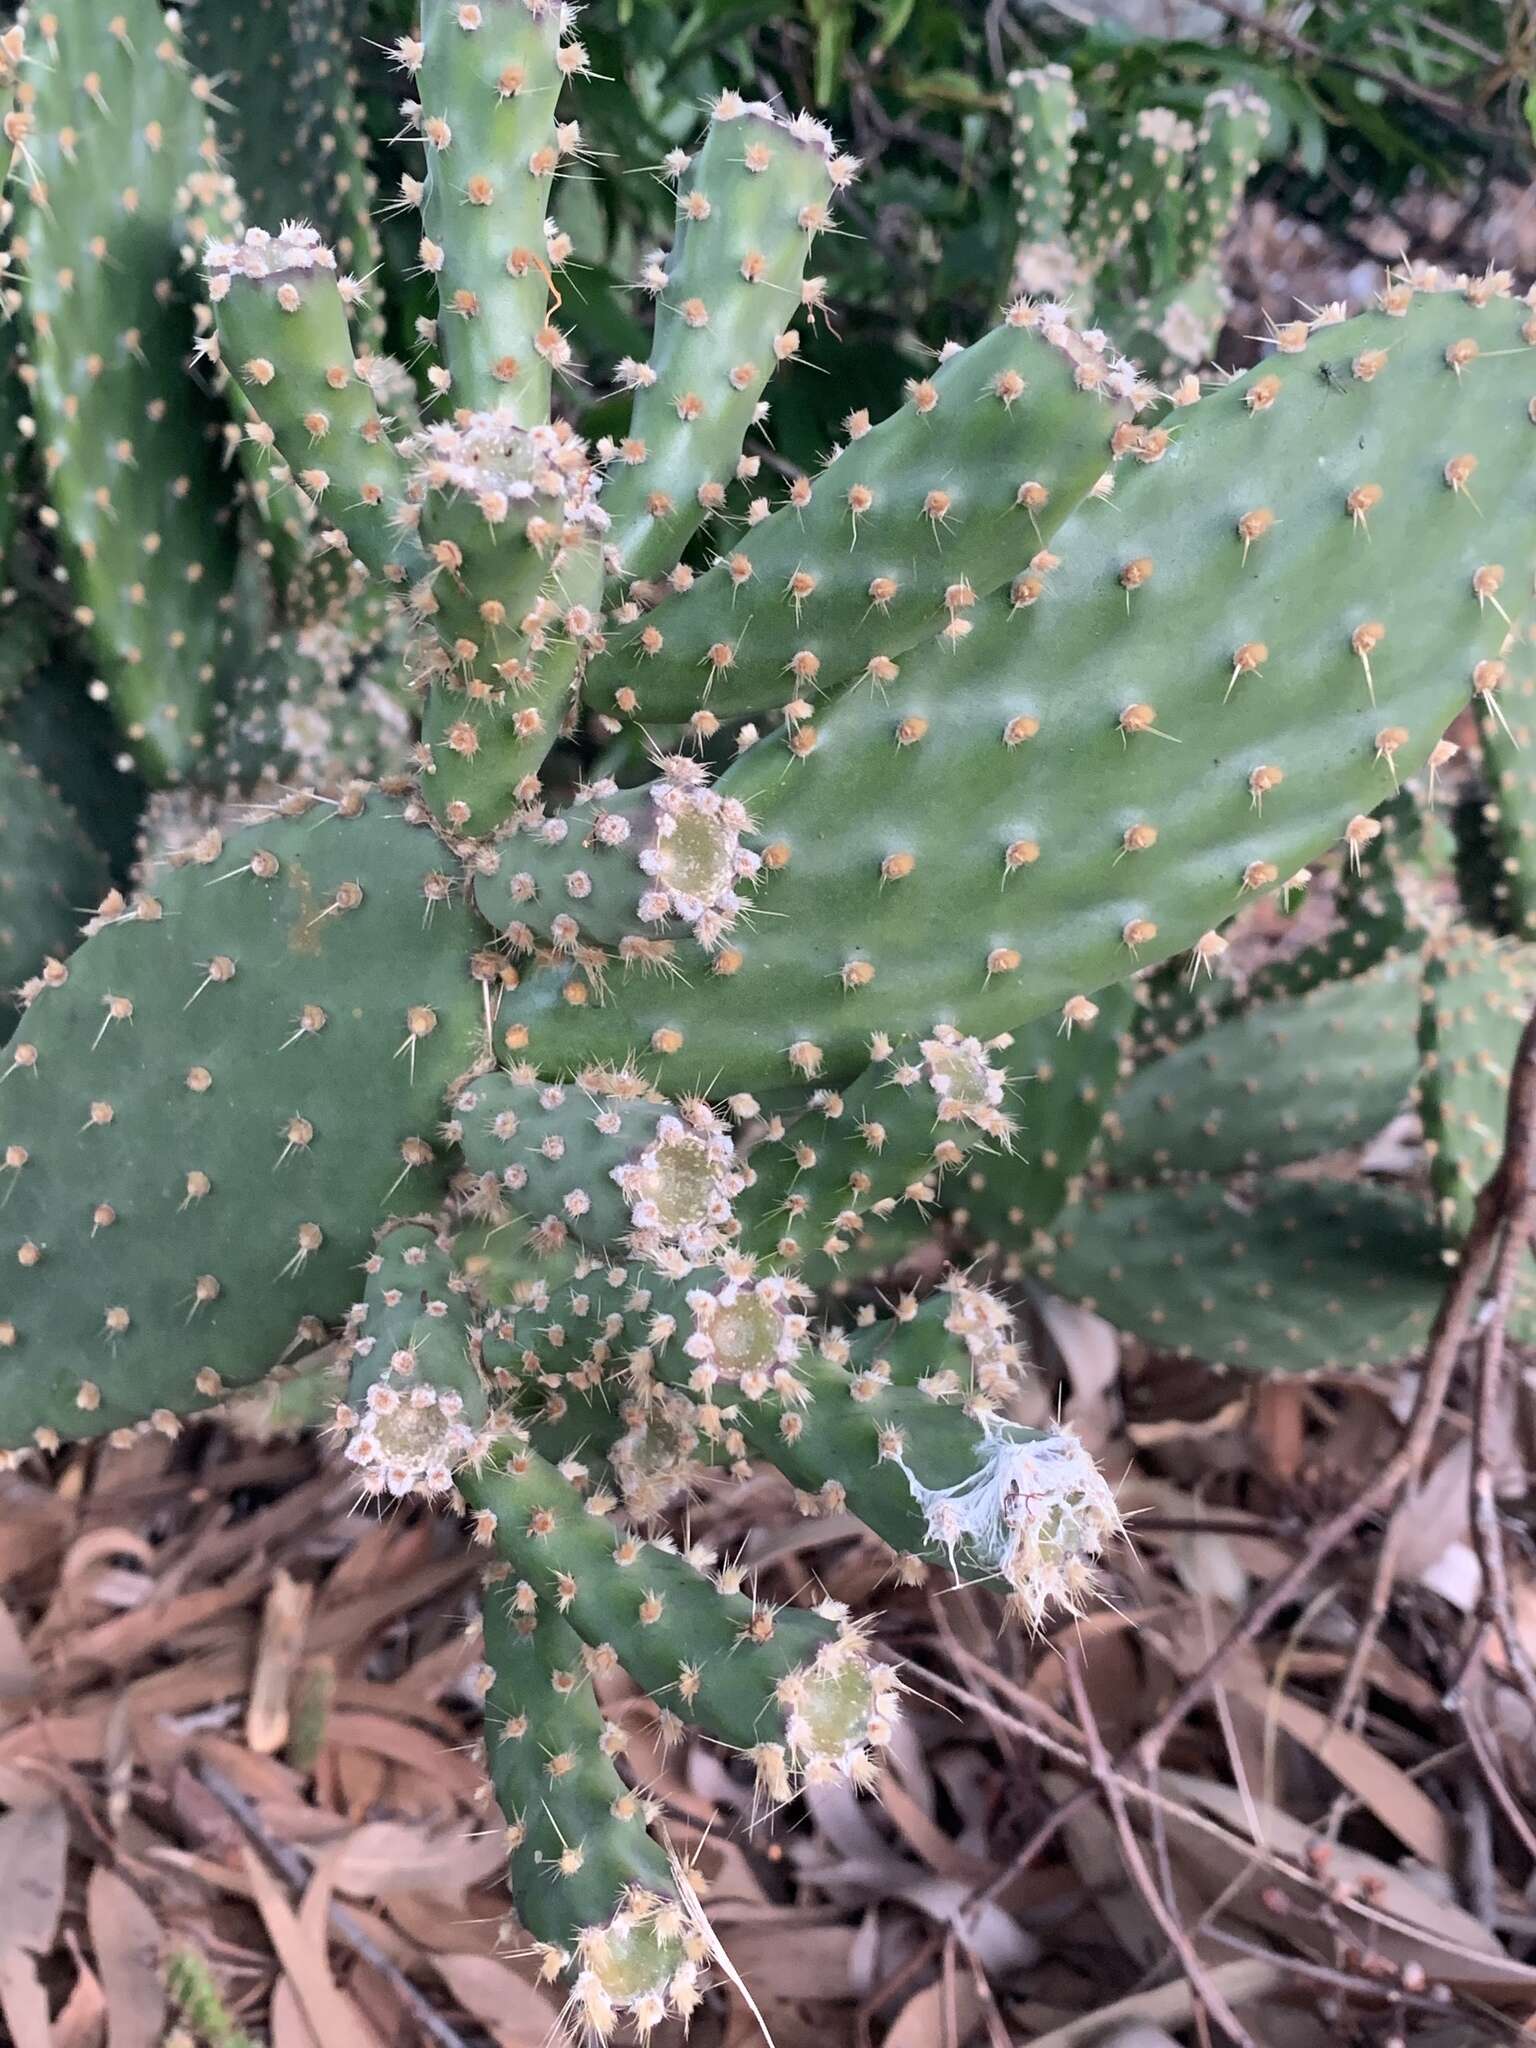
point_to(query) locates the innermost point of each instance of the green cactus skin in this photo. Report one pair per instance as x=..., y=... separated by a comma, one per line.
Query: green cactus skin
x=1509, y=745
x=1476, y=996
x=1281, y=1083
x=332, y=137
x=129, y=446
x=1045, y=116
x=1234, y=126
x=488, y=80
x=50, y=876
x=200, y=2002
x=283, y=331
x=916, y=1450
x=1114, y=697
x=415, y=1407
x=712, y=1656
x=590, y=1883
x=512, y=531
x=1066, y=1081
x=288, y=116
x=206, y=1109
x=915, y=1114
x=749, y=207
x=604, y=1160
x=893, y=543
x=315, y=706
x=1304, y=1277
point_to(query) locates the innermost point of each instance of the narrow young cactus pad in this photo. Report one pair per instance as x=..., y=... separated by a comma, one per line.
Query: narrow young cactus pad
x=894, y=542
x=1046, y=116
x=284, y=334
x=605, y=1160
x=1283, y=1082
x=793, y=1690
x=112, y=126
x=590, y=1883
x=415, y=1405
x=1066, y=1080
x=1229, y=668
x=902, y=1429
x=207, y=1108
x=512, y=532
x=749, y=206
x=915, y=1114
x=1301, y=1277
x=488, y=80
x=1477, y=995
x=51, y=876
x=287, y=115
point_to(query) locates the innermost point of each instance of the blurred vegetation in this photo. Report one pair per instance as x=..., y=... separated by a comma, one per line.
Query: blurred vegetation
x=1374, y=102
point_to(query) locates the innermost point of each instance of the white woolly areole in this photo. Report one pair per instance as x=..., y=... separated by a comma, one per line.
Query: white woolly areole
x=984, y=1323
x=296, y=246
x=1164, y=129
x=1037, y=1511
x=410, y=1439
x=695, y=859
x=680, y=1190
x=504, y=466
x=1187, y=338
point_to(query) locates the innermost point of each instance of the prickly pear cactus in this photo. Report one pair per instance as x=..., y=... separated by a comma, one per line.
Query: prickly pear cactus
x=204, y=1106
x=50, y=876
x=1127, y=225
x=605, y=1081
x=112, y=158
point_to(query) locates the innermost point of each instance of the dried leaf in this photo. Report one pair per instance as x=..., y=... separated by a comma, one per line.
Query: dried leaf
x=383, y=1857
x=330, y=2013
x=23, y=2002
x=1405, y=1921
x=33, y=1840
x=290, y=2029
x=83, y=2021
x=1238, y=1982
x=1389, y=1792
x=125, y=1940
x=284, y=1615
x=939, y=2016
x=513, y=2012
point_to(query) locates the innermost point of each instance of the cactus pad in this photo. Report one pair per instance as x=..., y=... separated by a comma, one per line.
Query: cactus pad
x=206, y=1109
x=1313, y=1277
x=1100, y=776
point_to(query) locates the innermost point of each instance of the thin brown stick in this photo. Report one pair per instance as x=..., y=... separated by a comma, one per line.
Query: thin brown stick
x=1452, y=1324
x=1487, y=1532
x=293, y=1870
x=1135, y=1863
x=1503, y=1212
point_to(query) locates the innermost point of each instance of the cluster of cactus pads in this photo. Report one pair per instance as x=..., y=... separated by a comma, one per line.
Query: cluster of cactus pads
x=759, y=865
x=1131, y=224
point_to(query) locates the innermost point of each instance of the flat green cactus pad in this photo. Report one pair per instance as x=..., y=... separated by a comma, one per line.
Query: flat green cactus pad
x=1065, y=1083
x=1284, y=1082
x=51, y=876
x=1228, y=669
x=205, y=1112
x=1477, y=995
x=1304, y=1277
